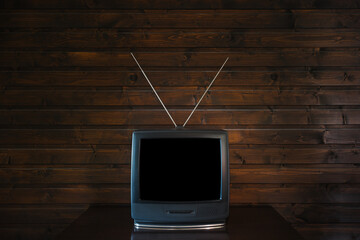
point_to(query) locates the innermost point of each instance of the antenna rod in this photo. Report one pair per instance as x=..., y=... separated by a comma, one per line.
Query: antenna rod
x=153, y=89
x=205, y=91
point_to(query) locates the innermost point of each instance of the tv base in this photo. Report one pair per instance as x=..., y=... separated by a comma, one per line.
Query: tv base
x=178, y=227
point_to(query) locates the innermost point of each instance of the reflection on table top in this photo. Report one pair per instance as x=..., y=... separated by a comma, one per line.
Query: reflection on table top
x=169, y=235
x=245, y=223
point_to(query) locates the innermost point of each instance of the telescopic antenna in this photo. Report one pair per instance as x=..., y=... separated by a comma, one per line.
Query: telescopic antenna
x=205, y=92
x=153, y=89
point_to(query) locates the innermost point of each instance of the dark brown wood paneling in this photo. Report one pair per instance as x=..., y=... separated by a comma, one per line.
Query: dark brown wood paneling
x=293, y=155
x=251, y=174
x=120, y=154
x=160, y=78
x=200, y=19
x=65, y=136
x=65, y=195
x=294, y=193
x=295, y=175
x=86, y=117
x=176, y=4
x=64, y=175
x=123, y=136
x=239, y=194
x=87, y=155
x=71, y=95
x=105, y=39
x=187, y=97
x=290, y=57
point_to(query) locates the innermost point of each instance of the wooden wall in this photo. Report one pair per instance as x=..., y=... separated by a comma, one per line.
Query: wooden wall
x=71, y=95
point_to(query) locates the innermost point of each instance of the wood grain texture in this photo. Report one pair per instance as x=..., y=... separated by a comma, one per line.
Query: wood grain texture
x=188, y=98
x=65, y=175
x=293, y=155
x=176, y=4
x=239, y=194
x=71, y=96
x=200, y=19
x=106, y=39
x=121, y=175
x=197, y=77
x=120, y=154
x=123, y=136
x=86, y=155
x=294, y=193
x=288, y=57
x=236, y=118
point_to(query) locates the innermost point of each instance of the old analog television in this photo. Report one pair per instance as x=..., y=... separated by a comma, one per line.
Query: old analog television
x=179, y=178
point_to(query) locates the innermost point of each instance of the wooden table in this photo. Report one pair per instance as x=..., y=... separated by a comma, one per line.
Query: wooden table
x=244, y=223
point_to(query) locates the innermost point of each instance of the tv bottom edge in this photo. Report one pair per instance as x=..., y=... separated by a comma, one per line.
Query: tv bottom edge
x=139, y=225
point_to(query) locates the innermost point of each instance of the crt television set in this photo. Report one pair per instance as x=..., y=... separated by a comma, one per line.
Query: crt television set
x=179, y=179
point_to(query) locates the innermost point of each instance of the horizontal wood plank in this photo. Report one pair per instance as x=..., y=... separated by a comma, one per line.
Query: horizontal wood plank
x=292, y=193
x=90, y=117
x=243, y=193
x=292, y=155
x=198, y=78
x=109, y=39
x=62, y=136
x=295, y=175
x=120, y=154
x=347, y=137
x=280, y=57
x=64, y=175
x=68, y=195
x=176, y=4
x=203, y=19
x=121, y=136
x=249, y=174
x=188, y=98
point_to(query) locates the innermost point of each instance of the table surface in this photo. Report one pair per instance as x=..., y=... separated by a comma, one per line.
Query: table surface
x=245, y=223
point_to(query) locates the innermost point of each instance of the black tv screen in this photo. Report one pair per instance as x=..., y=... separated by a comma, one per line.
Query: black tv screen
x=180, y=169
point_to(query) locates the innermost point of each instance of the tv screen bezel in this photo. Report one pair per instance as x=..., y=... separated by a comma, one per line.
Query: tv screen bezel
x=174, y=133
